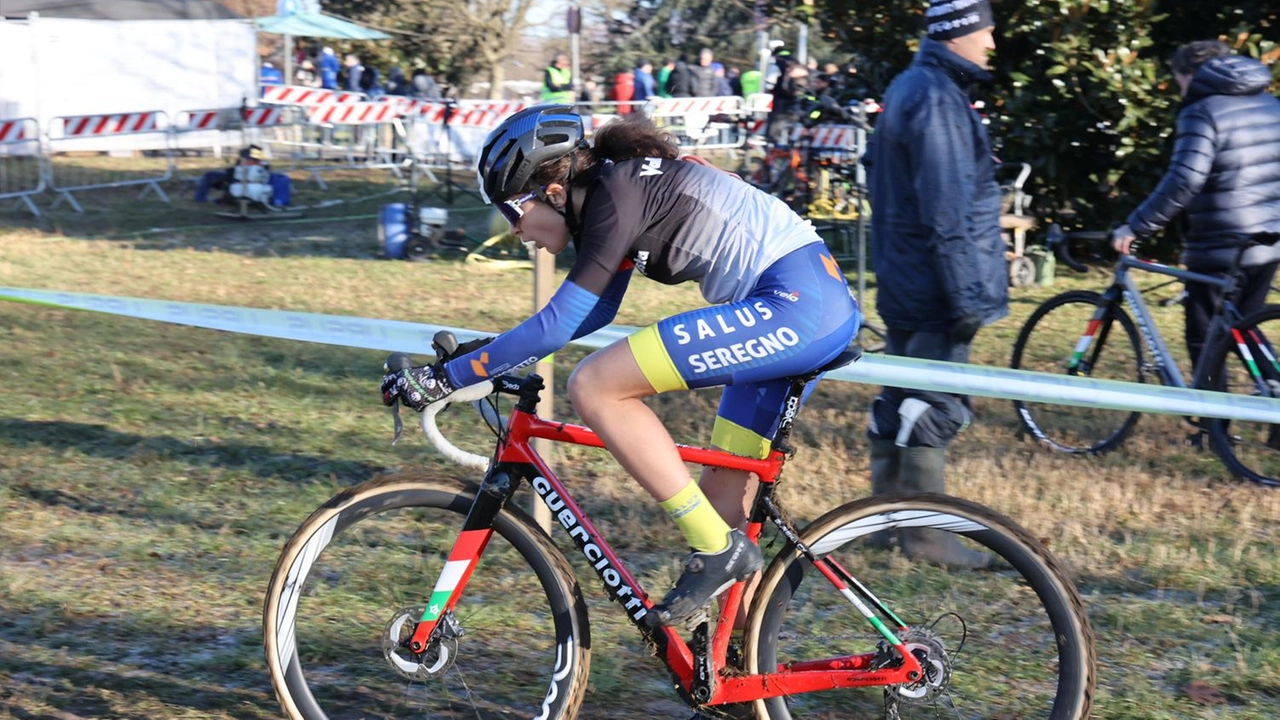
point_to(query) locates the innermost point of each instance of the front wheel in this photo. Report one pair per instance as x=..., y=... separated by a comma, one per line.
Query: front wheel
x=1012, y=641
x=353, y=581
x=1245, y=363
x=1077, y=333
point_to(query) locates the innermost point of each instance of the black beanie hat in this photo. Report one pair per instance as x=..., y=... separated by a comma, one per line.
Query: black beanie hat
x=947, y=19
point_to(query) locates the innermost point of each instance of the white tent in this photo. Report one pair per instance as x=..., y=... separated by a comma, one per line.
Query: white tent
x=57, y=67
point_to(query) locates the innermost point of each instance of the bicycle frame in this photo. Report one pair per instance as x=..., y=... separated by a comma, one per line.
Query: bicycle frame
x=697, y=665
x=1125, y=288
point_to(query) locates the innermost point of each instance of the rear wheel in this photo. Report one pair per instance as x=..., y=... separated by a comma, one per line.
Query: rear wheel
x=1061, y=337
x=1012, y=641
x=351, y=585
x=1246, y=364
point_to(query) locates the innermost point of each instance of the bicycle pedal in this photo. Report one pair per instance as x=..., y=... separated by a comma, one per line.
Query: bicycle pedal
x=696, y=621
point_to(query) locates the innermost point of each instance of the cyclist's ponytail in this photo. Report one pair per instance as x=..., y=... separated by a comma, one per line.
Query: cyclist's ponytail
x=632, y=136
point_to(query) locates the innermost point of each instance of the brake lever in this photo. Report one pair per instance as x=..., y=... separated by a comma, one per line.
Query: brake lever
x=399, y=424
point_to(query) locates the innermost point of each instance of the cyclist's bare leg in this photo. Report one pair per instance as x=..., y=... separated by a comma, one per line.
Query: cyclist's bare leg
x=731, y=493
x=607, y=389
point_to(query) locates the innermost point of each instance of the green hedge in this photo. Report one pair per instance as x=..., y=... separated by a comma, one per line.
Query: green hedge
x=1083, y=88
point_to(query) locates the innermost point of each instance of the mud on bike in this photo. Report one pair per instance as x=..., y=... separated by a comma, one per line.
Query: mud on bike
x=1086, y=333
x=412, y=596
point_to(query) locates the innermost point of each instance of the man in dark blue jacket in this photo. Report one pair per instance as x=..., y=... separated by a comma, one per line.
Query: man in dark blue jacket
x=1223, y=179
x=937, y=251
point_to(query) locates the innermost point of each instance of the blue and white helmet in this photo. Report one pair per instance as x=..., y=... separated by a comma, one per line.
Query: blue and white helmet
x=522, y=143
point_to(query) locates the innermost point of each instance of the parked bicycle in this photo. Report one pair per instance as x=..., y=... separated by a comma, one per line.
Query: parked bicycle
x=1090, y=334
x=411, y=596
x=817, y=172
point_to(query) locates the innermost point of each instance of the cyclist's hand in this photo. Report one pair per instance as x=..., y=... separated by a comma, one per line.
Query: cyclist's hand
x=416, y=387
x=1122, y=239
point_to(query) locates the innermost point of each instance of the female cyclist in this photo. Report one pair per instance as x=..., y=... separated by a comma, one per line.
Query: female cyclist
x=628, y=202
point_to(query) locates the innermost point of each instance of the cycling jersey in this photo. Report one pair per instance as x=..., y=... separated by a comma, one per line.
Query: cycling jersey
x=676, y=221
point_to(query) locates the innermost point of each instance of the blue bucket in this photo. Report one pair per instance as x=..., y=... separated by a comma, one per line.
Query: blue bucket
x=393, y=230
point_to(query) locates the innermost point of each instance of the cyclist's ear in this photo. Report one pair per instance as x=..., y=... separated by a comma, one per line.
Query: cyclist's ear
x=557, y=194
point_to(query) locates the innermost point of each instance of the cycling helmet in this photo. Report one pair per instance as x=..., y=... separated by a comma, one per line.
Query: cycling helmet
x=522, y=143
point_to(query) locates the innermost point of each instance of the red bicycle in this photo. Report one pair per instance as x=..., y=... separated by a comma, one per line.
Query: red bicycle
x=411, y=596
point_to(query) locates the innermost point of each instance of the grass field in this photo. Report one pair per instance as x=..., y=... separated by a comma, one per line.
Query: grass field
x=150, y=473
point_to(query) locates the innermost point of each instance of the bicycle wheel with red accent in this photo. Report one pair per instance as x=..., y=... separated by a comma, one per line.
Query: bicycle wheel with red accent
x=1011, y=640
x=1245, y=363
x=353, y=581
x=1066, y=335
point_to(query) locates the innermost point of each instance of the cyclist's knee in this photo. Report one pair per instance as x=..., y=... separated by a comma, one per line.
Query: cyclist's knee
x=580, y=389
x=603, y=378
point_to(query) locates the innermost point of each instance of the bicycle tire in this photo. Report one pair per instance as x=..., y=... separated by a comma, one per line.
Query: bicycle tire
x=1065, y=428
x=361, y=567
x=1249, y=450
x=1037, y=620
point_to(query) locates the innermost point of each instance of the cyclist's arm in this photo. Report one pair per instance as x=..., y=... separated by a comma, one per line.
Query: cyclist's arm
x=943, y=156
x=573, y=308
x=606, y=308
x=550, y=329
x=1189, y=168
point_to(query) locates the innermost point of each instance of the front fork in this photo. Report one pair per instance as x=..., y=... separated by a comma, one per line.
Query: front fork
x=499, y=484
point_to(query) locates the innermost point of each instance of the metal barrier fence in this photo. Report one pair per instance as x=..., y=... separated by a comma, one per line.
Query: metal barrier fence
x=22, y=168
x=337, y=130
x=73, y=169
x=701, y=123
x=203, y=140
x=313, y=130
x=307, y=96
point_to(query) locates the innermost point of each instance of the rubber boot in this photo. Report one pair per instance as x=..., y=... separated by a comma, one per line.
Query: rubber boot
x=884, y=480
x=921, y=470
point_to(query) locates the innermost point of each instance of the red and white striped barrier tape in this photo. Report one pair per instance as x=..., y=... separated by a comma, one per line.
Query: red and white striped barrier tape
x=100, y=125
x=698, y=106
x=263, y=116
x=362, y=113
x=203, y=119
x=465, y=114
x=295, y=95
x=833, y=137
x=16, y=130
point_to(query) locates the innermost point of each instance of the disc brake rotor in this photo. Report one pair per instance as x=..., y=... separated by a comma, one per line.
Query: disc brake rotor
x=441, y=651
x=931, y=652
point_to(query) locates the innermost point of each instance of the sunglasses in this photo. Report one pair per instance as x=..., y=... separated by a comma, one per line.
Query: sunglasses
x=512, y=210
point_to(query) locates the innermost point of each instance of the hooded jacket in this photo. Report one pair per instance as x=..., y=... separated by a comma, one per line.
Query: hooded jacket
x=1225, y=169
x=937, y=249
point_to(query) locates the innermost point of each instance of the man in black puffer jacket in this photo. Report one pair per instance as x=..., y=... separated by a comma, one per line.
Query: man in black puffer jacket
x=1224, y=179
x=937, y=251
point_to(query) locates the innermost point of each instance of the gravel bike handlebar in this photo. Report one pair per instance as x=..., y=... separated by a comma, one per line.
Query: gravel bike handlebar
x=1056, y=241
x=445, y=345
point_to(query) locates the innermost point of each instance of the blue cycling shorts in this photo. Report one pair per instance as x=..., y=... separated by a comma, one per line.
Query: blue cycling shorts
x=799, y=316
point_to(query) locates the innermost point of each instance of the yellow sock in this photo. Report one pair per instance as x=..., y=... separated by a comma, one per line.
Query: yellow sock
x=702, y=526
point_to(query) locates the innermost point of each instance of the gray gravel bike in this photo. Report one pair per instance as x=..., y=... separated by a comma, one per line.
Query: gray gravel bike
x=1091, y=334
